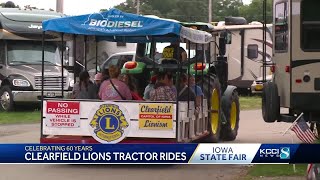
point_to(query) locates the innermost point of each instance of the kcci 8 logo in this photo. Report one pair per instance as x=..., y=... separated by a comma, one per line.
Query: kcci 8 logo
x=282, y=153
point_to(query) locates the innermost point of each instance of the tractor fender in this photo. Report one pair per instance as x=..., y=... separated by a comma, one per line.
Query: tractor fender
x=225, y=100
x=227, y=94
x=231, y=110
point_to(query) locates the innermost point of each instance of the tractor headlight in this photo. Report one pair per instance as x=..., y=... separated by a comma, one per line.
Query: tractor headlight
x=20, y=83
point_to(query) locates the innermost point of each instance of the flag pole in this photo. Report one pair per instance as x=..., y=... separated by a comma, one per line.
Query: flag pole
x=294, y=165
x=294, y=122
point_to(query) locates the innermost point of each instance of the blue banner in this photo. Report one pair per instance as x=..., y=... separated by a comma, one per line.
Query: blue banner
x=97, y=153
x=114, y=24
x=159, y=153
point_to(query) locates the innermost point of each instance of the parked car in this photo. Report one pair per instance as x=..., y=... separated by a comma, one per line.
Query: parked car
x=257, y=85
x=117, y=59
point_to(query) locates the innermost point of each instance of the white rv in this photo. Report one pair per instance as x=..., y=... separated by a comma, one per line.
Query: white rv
x=245, y=51
x=96, y=53
x=296, y=81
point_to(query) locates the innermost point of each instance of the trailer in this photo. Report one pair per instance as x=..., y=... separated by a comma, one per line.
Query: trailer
x=127, y=121
x=296, y=79
x=245, y=52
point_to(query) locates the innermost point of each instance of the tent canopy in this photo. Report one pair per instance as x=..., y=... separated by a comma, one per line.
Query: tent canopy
x=115, y=25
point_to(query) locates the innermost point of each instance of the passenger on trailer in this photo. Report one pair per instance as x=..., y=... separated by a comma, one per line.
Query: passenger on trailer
x=196, y=89
x=171, y=52
x=150, y=86
x=163, y=90
x=105, y=74
x=186, y=93
x=113, y=88
x=126, y=78
x=84, y=89
x=98, y=80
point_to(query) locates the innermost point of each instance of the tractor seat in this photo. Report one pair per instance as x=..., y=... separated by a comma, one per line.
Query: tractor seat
x=168, y=61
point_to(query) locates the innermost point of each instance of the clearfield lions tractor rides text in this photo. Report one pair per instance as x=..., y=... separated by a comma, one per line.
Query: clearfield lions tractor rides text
x=128, y=121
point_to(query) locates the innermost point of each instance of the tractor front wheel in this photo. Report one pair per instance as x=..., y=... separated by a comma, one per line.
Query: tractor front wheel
x=231, y=110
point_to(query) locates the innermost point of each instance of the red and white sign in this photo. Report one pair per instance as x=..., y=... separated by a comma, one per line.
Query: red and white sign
x=63, y=114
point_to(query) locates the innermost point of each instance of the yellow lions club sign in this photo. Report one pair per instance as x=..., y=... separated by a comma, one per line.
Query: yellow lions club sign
x=156, y=116
x=109, y=123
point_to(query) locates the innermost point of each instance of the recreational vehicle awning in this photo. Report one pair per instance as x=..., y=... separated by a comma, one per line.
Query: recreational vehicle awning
x=23, y=24
x=115, y=25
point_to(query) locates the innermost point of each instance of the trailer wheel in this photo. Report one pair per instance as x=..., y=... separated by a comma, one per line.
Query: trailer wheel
x=6, y=99
x=270, y=102
x=213, y=94
x=231, y=110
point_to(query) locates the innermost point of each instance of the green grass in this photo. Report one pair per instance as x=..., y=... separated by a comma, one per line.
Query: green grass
x=276, y=170
x=20, y=117
x=250, y=102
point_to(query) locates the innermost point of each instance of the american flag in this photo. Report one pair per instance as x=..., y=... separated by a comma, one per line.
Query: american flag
x=303, y=131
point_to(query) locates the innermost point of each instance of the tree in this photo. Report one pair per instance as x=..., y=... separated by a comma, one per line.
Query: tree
x=147, y=7
x=197, y=10
x=127, y=6
x=186, y=11
x=181, y=10
x=9, y=4
x=253, y=11
x=224, y=8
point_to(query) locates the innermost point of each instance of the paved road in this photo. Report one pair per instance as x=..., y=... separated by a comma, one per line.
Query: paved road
x=252, y=130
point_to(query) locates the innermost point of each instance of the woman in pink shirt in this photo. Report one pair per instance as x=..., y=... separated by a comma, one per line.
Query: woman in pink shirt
x=114, y=89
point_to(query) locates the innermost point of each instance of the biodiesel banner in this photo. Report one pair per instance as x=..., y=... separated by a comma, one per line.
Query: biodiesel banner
x=115, y=25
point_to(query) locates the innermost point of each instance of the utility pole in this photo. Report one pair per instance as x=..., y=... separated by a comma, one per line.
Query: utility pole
x=210, y=11
x=138, y=6
x=59, y=6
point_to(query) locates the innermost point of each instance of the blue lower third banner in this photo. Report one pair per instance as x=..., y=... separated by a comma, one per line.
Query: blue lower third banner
x=159, y=153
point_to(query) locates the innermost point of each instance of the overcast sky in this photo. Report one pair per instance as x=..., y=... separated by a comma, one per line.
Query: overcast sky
x=74, y=7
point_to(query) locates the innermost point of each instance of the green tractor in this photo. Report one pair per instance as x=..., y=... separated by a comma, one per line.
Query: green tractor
x=209, y=66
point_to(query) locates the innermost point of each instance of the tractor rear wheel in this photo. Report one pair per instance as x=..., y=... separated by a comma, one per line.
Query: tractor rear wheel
x=212, y=91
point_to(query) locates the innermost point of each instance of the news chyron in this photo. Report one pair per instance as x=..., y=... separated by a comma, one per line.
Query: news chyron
x=147, y=153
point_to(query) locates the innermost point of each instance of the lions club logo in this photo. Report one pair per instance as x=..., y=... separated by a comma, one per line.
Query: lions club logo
x=109, y=124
